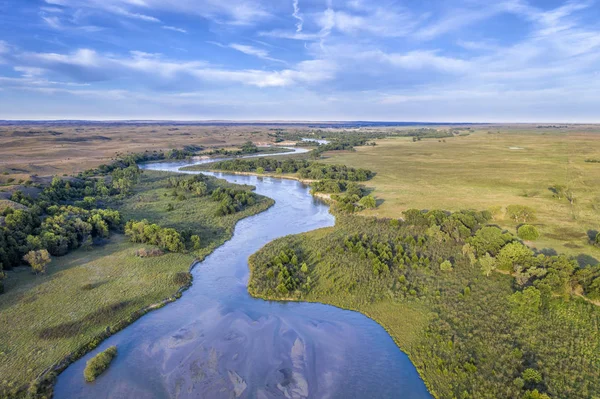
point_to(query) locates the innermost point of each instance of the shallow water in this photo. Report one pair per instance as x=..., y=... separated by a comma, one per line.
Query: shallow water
x=218, y=342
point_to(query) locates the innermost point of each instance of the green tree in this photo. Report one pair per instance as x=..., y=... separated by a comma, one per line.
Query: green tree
x=195, y=242
x=446, y=266
x=304, y=268
x=531, y=376
x=368, y=202
x=528, y=232
x=513, y=255
x=38, y=260
x=488, y=264
x=260, y=170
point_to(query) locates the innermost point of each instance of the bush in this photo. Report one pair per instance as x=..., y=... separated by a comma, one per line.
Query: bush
x=99, y=363
x=144, y=253
x=520, y=213
x=446, y=266
x=528, y=232
x=182, y=278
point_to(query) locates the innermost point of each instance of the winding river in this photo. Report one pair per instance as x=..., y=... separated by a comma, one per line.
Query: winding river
x=218, y=342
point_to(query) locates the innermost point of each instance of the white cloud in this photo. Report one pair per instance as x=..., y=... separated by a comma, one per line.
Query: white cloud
x=174, y=28
x=234, y=12
x=296, y=14
x=87, y=65
x=248, y=50
x=53, y=22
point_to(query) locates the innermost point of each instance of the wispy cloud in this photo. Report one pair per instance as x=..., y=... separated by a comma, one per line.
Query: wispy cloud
x=86, y=66
x=296, y=14
x=174, y=28
x=248, y=50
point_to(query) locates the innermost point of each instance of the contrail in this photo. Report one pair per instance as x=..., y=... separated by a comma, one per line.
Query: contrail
x=297, y=15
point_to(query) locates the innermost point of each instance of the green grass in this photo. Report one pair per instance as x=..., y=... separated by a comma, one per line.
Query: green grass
x=481, y=171
x=43, y=318
x=46, y=317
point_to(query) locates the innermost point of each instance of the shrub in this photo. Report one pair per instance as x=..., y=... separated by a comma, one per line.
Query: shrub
x=182, y=278
x=368, y=202
x=528, y=232
x=520, y=213
x=99, y=363
x=38, y=260
x=446, y=266
x=144, y=253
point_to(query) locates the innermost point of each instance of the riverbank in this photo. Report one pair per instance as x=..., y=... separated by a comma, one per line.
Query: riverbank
x=49, y=321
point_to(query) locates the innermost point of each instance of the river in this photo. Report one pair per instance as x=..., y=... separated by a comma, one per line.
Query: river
x=218, y=342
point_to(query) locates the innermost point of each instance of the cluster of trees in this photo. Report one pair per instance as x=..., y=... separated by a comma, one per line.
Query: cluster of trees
x=486, y=334
x=66, y=214
x=247, y=148
x=197, y=185
x=165, y=238
x=232, y=200
x=306, y=169
x=47, y=225
x=287, y=274
x=349, y=197
x=343, y=144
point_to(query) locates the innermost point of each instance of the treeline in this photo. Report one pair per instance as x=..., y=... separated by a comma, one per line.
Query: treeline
x=306, y=169
x=348, y=197
x=367, y=135
x=135, y=158
x=501, y=320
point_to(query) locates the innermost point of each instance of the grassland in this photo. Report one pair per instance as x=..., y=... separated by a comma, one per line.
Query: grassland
x=56, y=149
x=43, y=318
x=491, y=171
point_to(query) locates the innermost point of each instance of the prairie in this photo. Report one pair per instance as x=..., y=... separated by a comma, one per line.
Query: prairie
x=481, y=171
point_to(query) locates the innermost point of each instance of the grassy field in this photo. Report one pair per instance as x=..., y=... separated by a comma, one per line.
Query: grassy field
x=492, y=171
x=43, y=318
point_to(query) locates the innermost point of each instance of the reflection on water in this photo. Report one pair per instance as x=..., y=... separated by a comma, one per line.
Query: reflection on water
x=218, y=342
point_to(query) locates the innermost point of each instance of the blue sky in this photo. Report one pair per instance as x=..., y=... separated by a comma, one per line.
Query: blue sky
x=396, y=60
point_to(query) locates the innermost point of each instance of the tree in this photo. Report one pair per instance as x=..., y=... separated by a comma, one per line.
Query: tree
x=520, y=213
x=38, y=260
x=196, y=242
x=528, y=232
x=535, y=394
x=304, y=268
x=488, y=264
x=260, y=170
x=368, y=202
x=446, y=266
x=514, y=255
x=531, y=376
